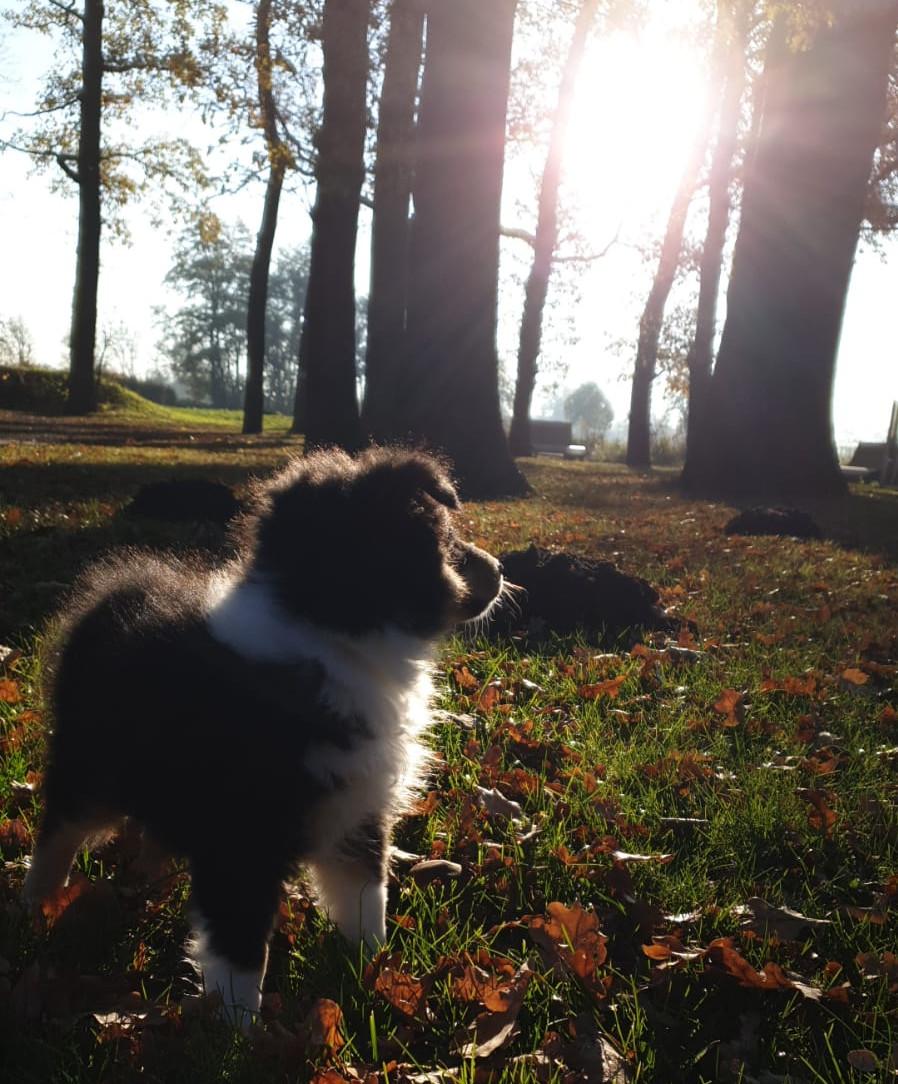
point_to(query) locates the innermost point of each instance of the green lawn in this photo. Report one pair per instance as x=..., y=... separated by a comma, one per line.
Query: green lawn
x=624, y=923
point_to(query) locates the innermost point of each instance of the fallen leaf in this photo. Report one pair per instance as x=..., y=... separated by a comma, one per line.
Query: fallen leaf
x=491, y=1030
x=432, y=869
x=9, y=691
x=853, y=676
x=571, y=937
x=404, y=992
x=731, y=703
x=610, y=688
x=323, y=1025
x=781, y=922
x=865, y=1061
x=497, y=805
x=61, y=899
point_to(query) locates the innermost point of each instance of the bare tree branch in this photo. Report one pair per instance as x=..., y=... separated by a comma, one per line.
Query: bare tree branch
x=68, y=9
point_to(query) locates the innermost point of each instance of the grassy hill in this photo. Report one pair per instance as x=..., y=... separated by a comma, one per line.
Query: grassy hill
x=43, y=392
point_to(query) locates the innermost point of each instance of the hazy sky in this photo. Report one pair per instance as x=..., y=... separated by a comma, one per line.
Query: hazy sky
x=620, y=179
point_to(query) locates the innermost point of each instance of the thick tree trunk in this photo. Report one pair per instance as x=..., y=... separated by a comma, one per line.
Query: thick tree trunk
x=769, y=430
x=451, y=396
x=279, y=159
x=82, y=397
x=390, y=234
x=546, y=239
x=327, y=347
x=639, y=433
x=701, y=354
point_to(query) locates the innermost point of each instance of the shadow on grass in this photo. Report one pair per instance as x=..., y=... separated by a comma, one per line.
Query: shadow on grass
x=74, y=514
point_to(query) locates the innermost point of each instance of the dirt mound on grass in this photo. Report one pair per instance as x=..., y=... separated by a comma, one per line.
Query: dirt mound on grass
x=565, y=593
x=787, y=522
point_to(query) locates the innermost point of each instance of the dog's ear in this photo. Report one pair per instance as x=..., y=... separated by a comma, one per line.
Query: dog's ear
x=409, y=474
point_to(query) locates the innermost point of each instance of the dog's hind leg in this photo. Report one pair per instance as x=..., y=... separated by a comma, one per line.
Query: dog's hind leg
x=352, y=882
x=58, y=843
x=233, y=911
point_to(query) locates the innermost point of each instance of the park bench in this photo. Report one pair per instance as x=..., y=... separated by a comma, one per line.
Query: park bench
x=550, y=437
x=876, y=461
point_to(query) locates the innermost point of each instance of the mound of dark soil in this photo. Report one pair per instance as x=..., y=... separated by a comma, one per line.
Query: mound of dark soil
x=565, y=593
x=788, y=522
x=185, y=500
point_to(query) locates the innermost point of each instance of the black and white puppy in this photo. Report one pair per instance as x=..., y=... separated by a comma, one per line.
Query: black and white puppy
x=270, y=712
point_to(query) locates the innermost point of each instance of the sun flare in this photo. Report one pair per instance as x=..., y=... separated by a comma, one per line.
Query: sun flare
x=635, y=114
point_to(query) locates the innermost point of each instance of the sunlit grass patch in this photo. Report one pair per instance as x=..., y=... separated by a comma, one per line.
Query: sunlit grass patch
x=657, y=808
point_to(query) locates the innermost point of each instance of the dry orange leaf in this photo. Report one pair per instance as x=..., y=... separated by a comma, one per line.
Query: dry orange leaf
x=854, y=676
x=9, y=691
x=404, y=992
x=324, y=1026
x=610, y=688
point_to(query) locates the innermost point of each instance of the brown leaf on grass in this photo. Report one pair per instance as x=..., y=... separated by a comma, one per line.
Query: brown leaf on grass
x=61, y=899
x=15, y=837
x=885, y=966
x=490, y=696
x=324, y=1026
x=570, y=937
x=772, y=977
x=805, y=685
x=464, y=679
x=492, y=1030
x=406, y=994
x=610, y=688
x=731, y=704
x=865, y=1061
x=780, y=922
x=821, y=817
x=9, y=691
x=853, y=676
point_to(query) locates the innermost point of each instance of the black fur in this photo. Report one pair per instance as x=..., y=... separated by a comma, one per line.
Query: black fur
x=156, y=719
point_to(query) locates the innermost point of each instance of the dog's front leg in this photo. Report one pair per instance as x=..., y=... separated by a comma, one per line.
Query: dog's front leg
x=352, y=881
x=233, y=911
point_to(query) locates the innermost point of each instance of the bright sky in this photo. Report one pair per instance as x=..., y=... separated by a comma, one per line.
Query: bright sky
x=637, y=106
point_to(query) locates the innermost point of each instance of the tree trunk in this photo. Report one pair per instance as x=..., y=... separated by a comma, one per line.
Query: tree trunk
x=279, y=159
x=769, y=431
x=390, y=234
x=701, y=354
x=82, y=397
x=327, y=346
x=546, y=239
x=640, y=425
x=451, y=394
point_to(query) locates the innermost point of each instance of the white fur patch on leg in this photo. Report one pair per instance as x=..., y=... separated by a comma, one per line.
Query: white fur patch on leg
x=240, y=990
x=355, y=901
x=52, y=861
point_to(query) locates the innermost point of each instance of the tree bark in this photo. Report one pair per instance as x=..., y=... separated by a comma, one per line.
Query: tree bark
x=769, y=431
x=82, y=391
x=640, y=427
x=391, y=227
x=327, y=346
x=701, y=354
x=546, y=238
x=279, y=159
x=451, y=395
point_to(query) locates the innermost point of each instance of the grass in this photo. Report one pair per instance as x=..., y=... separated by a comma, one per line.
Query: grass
x=756, y=763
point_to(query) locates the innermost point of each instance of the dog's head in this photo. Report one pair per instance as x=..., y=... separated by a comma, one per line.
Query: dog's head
x=362, y=543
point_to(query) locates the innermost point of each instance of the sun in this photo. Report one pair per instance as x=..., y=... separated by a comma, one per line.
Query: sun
x=636, y=113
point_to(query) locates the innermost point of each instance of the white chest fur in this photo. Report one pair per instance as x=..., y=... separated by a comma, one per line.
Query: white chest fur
x=382, y=679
